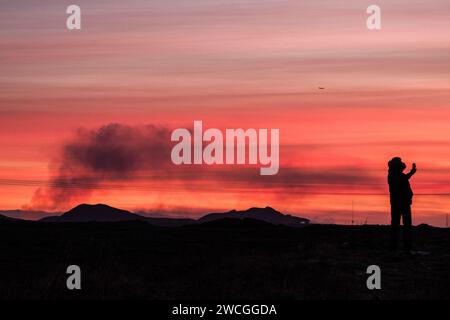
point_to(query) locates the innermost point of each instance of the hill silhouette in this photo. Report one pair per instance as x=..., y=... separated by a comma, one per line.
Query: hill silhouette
x=5, y=218
x=266, y=214
x=222, y=259
x=105, y=213
x=91, y=213
x=26, y=214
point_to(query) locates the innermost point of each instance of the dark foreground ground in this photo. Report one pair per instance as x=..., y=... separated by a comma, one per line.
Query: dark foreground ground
x=233, y=260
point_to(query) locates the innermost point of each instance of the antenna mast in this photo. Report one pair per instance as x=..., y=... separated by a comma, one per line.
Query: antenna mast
x=352, y=212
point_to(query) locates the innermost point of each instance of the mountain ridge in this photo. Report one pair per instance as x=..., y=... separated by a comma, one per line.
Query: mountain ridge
x=267, y=214
x=24, y=214
x=105, y=213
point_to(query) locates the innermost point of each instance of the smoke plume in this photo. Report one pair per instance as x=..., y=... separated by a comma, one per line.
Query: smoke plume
x=113, y=152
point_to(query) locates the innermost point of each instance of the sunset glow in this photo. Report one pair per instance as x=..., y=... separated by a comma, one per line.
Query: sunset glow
x=231, y=64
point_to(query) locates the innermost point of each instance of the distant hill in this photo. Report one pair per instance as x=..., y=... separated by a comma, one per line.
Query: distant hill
x=26, y=214
x=105, y=213
x=266, y=214
x=5, y=218
x=96, y=212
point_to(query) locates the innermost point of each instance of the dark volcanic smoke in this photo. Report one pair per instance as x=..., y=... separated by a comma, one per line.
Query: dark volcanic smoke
x=116, y=156
x=113, y=152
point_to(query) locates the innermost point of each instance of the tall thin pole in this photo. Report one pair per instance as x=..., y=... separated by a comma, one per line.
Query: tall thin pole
x=352, y=212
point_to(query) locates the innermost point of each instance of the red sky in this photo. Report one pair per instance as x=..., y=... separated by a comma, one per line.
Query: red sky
x=235, y=64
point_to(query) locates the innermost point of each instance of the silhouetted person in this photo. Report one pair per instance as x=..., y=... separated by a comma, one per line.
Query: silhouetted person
x=401, y=199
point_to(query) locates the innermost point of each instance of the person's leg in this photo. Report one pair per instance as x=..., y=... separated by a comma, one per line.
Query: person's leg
x=395, y=223
x=407, y=222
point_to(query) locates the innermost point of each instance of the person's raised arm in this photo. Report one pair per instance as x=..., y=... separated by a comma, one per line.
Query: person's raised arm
x=413, y=170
